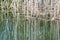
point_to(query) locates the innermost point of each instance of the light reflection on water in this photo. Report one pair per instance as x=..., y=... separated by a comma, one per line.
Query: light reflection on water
x=6, y=31
x=7, y=34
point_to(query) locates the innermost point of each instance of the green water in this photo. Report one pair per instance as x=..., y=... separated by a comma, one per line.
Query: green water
x=28, y=30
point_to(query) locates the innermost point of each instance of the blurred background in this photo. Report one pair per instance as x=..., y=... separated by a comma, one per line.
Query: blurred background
x=29, y=20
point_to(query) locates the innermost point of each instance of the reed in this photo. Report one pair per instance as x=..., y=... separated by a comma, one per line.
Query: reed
x=29, y=20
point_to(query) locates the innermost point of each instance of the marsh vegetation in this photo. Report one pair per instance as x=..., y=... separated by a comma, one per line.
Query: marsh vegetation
x=29, y=20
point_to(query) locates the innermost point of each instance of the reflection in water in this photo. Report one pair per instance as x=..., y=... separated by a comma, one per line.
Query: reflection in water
x=42, y=33
x=8, y=32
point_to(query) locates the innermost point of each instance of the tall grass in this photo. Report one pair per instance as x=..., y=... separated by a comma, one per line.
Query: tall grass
x=29, y=20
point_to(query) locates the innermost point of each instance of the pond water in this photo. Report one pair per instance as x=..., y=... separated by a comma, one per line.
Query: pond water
x=31, y=30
